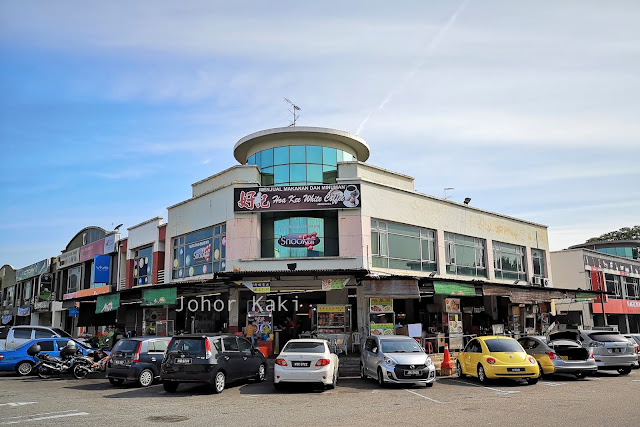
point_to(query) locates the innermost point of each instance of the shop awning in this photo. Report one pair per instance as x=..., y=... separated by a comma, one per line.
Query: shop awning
x=454, y=289
x=106, y=303
x=391, y=288
x=156, y=297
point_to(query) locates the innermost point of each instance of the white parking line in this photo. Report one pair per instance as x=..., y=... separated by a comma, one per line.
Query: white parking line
x=424, y=397
x=40, y=417
x=17, y=403
x=552, y=384
x=489, y=388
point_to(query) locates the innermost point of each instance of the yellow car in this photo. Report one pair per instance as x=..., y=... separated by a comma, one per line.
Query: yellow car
x=496, y=357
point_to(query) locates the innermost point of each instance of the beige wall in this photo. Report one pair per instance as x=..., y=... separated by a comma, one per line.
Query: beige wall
x=568, y=269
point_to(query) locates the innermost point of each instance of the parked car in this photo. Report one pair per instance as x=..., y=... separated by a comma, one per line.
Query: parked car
x=493, y=357
x=611, y=350
x=137, y=359
x=19, y=361
x=15, y=336
x=559, y=356
x=396, y=359
x=635, y=340
x=214, y=359
x=306, y=361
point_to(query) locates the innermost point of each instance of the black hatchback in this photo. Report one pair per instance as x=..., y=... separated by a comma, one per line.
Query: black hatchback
x=214, y=359
x=137, y=359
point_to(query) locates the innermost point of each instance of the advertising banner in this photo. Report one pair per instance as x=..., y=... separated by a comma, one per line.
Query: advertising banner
x=107, y=303
x=391, y=288
x=155, y=297
x=101, y=269
x=454, y=288
x=452, y=305
x=258, y=287
x=332, y=284
x=291, y=198
x=73, y=312
x=69, y=258
x=381, y=305
x=24, y=311
x=382, y=328
x=6, y=319
x=36, y=269
x=41, y=305
x=87, y=252
x=109, y=244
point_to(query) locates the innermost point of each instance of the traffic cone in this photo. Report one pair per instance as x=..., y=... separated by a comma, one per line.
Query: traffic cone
x=446, y=368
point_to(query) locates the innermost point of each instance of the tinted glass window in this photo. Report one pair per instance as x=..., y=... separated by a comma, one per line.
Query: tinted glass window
x=297, y=154
x=607, y=337
x=369, y=344
x=61, y=333
x=244, y=346
x=46, y=345
x=3, y=332
x=43, y=333
x=158, y=346
x=22, y=333
x=217, y=344
x=503, y=346
x=400, y=346
x=126, y=346
x=188, y=345
x=304, y=347
x=230, y=344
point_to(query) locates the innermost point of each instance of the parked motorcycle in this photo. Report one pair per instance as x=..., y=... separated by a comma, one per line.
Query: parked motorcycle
x=96, y=362
x=48, y=365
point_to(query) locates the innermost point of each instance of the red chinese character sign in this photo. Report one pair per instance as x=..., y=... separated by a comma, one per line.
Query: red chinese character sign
x=291, y=198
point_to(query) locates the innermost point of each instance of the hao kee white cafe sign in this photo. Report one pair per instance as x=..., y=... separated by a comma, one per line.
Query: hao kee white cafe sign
x=303, y=197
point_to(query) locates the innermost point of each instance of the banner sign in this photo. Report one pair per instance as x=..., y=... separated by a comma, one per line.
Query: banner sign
x=6, y=319
x=454, y=288
x=391, y=288
x=382, y=329
x=623, y=268
x=291, y=198
x=155, y=297
x=258, y=287
x=330, y=308
x=69, y=258
x=73, y=312
x=26, y=311
x=332, y=284
x=452, y=305
x=382, y=305
x=87, y=252
x=36, y=269
x=41, y=305
x=109, y=244
x=101, y=269
x=107, y=303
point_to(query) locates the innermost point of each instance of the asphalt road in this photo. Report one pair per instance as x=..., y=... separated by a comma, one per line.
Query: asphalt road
x=606, y=399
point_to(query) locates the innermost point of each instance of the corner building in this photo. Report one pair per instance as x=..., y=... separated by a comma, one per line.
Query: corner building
x=349, y=247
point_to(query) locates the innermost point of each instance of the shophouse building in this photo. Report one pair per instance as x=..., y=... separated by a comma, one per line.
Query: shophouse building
x=7, y=294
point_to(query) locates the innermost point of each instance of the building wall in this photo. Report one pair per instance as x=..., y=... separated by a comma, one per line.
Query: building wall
x=568, y=269
x=143, y=235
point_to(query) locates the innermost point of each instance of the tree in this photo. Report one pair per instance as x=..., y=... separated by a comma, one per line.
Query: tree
x=625, y=233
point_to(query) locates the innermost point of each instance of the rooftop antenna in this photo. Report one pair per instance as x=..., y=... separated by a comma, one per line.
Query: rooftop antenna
x=444, y=193
x=295, y=108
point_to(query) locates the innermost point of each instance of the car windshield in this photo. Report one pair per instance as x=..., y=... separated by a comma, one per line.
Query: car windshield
x=61, y=333
x=607, y=337
x=400, y=346
x=188, y=345
x=304, y=347
x=126, y=346
x=503, y=346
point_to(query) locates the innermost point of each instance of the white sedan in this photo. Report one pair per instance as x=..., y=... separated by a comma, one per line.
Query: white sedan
x=306, y=361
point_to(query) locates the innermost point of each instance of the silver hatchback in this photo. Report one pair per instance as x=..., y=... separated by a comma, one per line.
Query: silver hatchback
x=396, y=359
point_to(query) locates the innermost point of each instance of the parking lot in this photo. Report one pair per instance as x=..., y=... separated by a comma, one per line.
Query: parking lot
x=604, y=399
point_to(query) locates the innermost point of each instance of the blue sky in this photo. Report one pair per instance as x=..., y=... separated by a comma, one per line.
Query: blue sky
x=111, y=110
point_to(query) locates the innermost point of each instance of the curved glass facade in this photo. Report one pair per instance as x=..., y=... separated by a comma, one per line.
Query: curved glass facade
x=299, y=164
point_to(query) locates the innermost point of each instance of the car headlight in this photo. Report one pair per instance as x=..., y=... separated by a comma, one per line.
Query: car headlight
x=389, y=361
x=429, y=362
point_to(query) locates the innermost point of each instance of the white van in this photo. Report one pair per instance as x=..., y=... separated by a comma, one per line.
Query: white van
x=15, y=336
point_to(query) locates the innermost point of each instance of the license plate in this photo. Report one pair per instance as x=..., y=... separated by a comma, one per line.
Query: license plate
x=300, y=364
x=412, y=373
x=515, y=369
x=564, y=357
x=119, y=362
x=183, y=360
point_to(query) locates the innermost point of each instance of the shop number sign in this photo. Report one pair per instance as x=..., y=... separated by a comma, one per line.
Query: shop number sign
x=381, y=305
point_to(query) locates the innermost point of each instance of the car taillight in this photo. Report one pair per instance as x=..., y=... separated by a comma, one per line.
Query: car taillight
x=136, y=354
x=1, y=357
x=491, y=360
x=281, y=362
x=591, y=355
x=532, y=360
x=551, y=354
x=323, y=362
x=207, y=348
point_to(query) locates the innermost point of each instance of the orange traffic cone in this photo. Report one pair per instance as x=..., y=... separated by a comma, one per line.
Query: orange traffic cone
x=446, y=368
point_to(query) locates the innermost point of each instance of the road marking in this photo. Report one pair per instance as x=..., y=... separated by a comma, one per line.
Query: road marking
x=424, y=397
x=17, y=403
x=43, y=416
x=635, y=381
x=552, y=384
x=489, y=388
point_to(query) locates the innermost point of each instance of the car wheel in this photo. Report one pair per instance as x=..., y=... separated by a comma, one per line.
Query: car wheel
x=219, y=382
x=334, y=381
x=482, y=376
x=541, y=371
x=24, y=368
x=381, y=382
x=459, y=370
x=532, y=381
x=580, y=375
x=145, y=379
x=116, y=381
x=170, y=386
x=262, y=373
x=277, y=386
x=624, y=371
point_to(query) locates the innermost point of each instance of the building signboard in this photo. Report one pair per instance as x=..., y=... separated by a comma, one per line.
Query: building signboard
x=69, y=258
x=623, y=268
x=36, y=269
x=101, y=268
x=87, y=252
x=292, y=198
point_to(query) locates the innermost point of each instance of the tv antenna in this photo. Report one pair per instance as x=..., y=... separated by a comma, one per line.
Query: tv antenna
x=295, y=108
x=444, y=193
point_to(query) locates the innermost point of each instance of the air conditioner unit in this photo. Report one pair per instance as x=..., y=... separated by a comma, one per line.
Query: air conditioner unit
x=537, y=280
x=546, y=283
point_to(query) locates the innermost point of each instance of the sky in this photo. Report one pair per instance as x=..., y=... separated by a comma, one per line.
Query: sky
x=111, y=110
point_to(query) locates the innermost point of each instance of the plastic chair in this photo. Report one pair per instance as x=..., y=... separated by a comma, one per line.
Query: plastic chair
x=355, y=341
x=339, y=344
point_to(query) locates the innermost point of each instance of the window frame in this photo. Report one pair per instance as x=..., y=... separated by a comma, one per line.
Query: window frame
x=382, y=256
x=479, y=247
x=520, y=252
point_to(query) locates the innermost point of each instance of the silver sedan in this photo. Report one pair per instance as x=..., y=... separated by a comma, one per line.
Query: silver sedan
x=560, y=356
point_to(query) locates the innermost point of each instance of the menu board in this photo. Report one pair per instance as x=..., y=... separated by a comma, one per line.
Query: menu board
x=452, y=305
x=381, y=328
x=382, y=305
x=455, y=326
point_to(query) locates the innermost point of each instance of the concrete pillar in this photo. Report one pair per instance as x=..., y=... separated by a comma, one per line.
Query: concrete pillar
x=441, y=253
x=363, y=312
x=491, y=274
x=234, y=310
